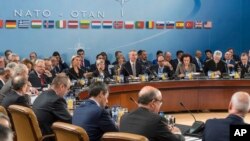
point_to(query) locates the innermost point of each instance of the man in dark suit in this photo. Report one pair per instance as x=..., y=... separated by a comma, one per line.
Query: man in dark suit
x=162, y=67
x=144, y=60
x=91, y=114
x=50, y=106
x=219, y=129
x=20, y=86
x=243, y=66
x=176, y=61
x=197, y=61
x=39, y=76
x=146, y=121
x=85, y=64
x=133, y=66
x=228, y=58
x=4, y=77
x=215, y=65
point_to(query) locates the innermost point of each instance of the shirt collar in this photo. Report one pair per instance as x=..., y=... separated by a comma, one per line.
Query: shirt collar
x=95, y=101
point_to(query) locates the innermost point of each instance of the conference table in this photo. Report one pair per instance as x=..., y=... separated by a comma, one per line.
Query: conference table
x=200, y=95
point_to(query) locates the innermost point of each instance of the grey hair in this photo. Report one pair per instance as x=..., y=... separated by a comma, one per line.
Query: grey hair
x=38, y=61
x=241, y=101
x=217, y=53
x=20, y=69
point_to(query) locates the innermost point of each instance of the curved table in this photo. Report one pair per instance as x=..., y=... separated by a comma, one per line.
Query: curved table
x=194, y=94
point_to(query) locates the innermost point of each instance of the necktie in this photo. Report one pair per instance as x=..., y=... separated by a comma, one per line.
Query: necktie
x=133, y=69
x=42, y=80
x=82, y=63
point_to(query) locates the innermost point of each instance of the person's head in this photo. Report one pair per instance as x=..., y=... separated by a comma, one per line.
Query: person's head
x=4, y=120
x=48, y=64
x=105, y=56
x=217, y=56
x=39, y=66
x=22, y=70
x=33, y=56
x=28, y=63
x=61, y=84
x=208, y=54
x=7, y=53
x=57, y=55
x=76, y=61
x=198, y=54
x=151, y=98
x=228, y=55
x=5, y=74
x=231, y=50
x=139, y=53
x=81, y=53
x=186, y=59
x=160, y=61
x=118, y=53
x=5, y=134
x=2, y=62
x=121, y=59
x=54, y=61
x=99, y=56
x=244, y=58
x=11, y=66
x=132, y=55
x=168, y=56
x=159, y=53
x=179, y=53
x=20, y=84
x=99, y=91
x=144, y=55
x=239, y=104
x=15, y=58
x=100, y=64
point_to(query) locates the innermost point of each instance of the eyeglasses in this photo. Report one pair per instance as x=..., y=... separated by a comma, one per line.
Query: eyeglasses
x=157, y=100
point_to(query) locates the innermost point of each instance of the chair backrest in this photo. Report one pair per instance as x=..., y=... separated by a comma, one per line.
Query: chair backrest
x=120, y=136
x=2, y=110
x=68, y=132
x=25, y=123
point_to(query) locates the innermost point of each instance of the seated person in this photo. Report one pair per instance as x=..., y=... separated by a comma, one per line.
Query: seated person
x=4, y=77
x=133, y=66
x=20, y=86
x=243, y=66
x=61, y=66
x=219, y=129
x=117, y=55
x=50, y=106
x=85, y=64
x=162, y=67
x=40, y=77
x=146, y=121
x=5, y=133
x=185, y=67
x=215, y=65
x=197, y=60
x=229, y=61
x=118, y=66
x=91, y=114
x=75, y=72
x=93, y=66
x=100, y=70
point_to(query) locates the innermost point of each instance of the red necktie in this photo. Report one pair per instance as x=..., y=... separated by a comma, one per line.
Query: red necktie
x=42, y=80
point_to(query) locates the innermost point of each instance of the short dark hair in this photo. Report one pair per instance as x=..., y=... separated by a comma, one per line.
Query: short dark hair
x=185, y=56
x=79, y=50
x=56, y=53
x=147, y=97
x=6, y=51
x=18, y=82
x=208, y=50
x=97, y=87
x=117, y=52
x=5, y=133
x=179, y=52
x=159, y=52
x=98, y=55
x=60, y=79
x=139, y=52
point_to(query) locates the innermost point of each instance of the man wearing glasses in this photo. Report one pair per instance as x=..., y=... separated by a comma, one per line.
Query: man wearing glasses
x=146, y=121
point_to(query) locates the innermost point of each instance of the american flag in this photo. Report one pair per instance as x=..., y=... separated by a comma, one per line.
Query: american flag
x=208, y=24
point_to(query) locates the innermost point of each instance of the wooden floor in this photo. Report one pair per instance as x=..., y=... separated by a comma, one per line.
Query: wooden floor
x=187, y=119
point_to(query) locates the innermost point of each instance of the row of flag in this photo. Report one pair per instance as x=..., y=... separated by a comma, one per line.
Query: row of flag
x=86, y=24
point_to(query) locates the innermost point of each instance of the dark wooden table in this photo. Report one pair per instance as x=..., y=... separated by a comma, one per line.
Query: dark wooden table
x=195, y=94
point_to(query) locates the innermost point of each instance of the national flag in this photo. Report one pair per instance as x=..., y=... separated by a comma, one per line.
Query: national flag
x=160, y=24
x=61, y=24
x=118, y=24
x=10, y=23
x=72, y=24
x=198, y=24
x=48, y=24
x=179, y=24
x=139, y=24
x=84, y=24
x=208, y=24
x=170, y=24
x=150, y=24
x=1, y=23
x=107, y=24
x=23, y=23
x=96, y=24
x=36, y=23
x=189, y=24
x=129, y=24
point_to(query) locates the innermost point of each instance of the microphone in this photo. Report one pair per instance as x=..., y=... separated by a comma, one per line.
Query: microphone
x=197, y=126
x=133, y=100
x=151, y=72
x=123, y=67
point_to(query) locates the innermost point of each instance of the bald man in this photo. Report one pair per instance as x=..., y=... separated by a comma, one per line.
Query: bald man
x=219, y=129
x=146, y=121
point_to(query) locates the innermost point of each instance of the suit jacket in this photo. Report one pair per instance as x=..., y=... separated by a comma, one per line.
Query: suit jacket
x=219, y=129
x=1, y=84
x=5, y=89
x=181, y=70
x=86, y=63
x=174, y=64
x=94, y=119
x=230, y=69
x=167, y=70
x=14, y=98
x=50, y=108
x=74, y=76
x=211, y=66
x=244, y=69
x=198, y=68
x=127, y=69
x=148, y=124
x=36, y=81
